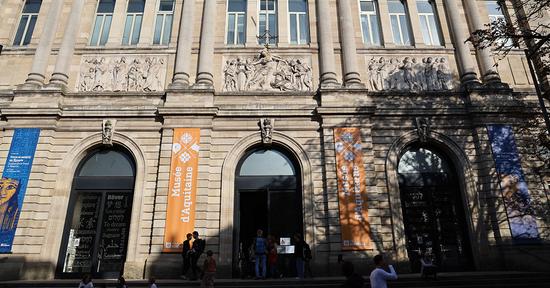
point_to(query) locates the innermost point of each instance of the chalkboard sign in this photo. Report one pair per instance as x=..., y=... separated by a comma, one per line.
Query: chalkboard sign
x=116, y=223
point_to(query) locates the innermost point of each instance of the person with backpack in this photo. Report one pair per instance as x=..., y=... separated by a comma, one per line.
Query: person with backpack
x=196, y=251
x=260, y=250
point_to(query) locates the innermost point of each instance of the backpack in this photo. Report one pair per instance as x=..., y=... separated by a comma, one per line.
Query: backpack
x=307, y=252
x=260, y=246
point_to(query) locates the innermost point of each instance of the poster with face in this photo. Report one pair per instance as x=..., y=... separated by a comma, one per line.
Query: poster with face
x=513, y=185
x=9, y=206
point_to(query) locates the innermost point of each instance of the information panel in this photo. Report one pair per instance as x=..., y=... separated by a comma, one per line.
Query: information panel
x=14, y=183
x=182, y=188
x=512, y=183
x=352, y=190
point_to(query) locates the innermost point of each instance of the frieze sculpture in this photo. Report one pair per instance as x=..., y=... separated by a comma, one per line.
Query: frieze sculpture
x=122, y=73
x=409, y=74
x=266, y=126
x=266, y=72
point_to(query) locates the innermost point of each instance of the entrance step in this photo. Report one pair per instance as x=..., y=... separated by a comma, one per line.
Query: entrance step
x=455, y=280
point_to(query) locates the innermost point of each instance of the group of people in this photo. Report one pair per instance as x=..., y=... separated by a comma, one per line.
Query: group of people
x=262, y=259
x=193, y=247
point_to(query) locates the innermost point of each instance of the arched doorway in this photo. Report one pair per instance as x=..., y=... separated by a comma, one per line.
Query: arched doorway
x=96, y=229
x=268, y=197
x=433, y=210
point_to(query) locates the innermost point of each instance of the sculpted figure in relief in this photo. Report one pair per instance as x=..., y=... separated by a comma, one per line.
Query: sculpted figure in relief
x=122, y=73
x=267, y=72
x=409, y=74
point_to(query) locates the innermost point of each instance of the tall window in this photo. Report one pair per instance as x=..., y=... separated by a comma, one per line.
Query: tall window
x=299, y=23
x=27, y=23
x=163, y=25
x=134, y=16
x=399, y=22
x=494, y=9
x=236, y=18
x=369, y=22
x=430, y=29
x=268, y=20
x=103, y=18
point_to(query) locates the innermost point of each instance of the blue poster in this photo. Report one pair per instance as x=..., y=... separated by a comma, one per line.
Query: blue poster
x=517, y=200
x=14, y=182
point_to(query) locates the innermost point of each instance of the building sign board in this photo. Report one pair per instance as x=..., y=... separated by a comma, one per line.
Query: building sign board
x=182, y=188
x=513, y=185
x=13, y=184
x=352, y=190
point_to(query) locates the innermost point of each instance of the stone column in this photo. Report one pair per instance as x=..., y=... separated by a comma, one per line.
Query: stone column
x=283, y=35
x=465, y=63
x=352, y=76
x=486, y=64
x=148, y=24
x=205, y=77
x=40, y=61
x=251, y=23
x=185, y=44
x=326, y=47
x=60, y=76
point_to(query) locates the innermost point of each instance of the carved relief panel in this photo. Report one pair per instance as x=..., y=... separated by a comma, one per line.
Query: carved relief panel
x=126, y=73
x=267, y=72
x=431, y=73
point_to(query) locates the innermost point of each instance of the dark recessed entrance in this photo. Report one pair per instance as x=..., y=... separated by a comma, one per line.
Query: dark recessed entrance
x=98, y=219
x=433, y=212
x=268, y=197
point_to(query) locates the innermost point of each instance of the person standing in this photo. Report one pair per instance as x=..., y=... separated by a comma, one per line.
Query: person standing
x=196, y=251
x=209, y=270
x=260, y=250
x=185, y=254
x=272, y=256
x=299, y=255
x=379, y=276
x=86, y=282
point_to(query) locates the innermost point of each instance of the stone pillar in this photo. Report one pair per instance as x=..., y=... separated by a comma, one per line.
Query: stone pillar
x=205, y=77
x=283, y=35
x=465, y=63
x=251, y=25
x=351, y=73
x=148, y=24
x=117, y=24
x=40, y=61
x=60, y=76
x=185, y=44
x=486, y=64
x=326, y=47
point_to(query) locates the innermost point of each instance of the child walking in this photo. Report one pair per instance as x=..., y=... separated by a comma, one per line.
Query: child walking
x=209, y=270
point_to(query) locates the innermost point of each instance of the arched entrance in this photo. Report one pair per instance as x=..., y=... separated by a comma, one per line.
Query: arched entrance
x=268, y=197
x=96, y=229
x=433, y=213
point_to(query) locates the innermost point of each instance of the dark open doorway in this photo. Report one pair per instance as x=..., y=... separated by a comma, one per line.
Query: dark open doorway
x=433, y=211
x=95, y=238
x=268, y=197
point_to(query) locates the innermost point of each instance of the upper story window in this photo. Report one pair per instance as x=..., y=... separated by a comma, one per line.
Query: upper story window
x=103, y=19
x=163, y=25
x=299, y=22
x=27, y=23
x=496, y=14
x=430, y=28
x=134, y=16
x=236, y=18
x=369, y=22
x=268, y=20
x=399, y=22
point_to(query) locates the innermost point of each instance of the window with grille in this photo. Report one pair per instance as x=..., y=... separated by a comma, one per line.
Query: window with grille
x=268, y=20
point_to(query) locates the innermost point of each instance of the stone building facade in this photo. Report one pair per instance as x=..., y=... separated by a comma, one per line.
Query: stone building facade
x=112, y=80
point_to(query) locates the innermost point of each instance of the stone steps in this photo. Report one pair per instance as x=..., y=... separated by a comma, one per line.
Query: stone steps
x=456, y=280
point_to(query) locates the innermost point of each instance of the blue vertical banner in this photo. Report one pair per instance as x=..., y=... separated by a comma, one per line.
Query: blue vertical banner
x=513, y=185
x=13, y=184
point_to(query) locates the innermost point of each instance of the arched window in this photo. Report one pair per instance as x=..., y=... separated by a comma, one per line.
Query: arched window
x=422, y=160
x=299, y=21
x=267, y=162
x=236, y=22
x=28, y=21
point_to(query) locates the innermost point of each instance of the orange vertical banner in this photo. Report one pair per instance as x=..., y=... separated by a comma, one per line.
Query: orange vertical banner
x=182, y=188
x=352, y=189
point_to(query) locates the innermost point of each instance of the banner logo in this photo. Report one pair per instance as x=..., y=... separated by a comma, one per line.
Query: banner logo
x=182, y=188
x=352, y=189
